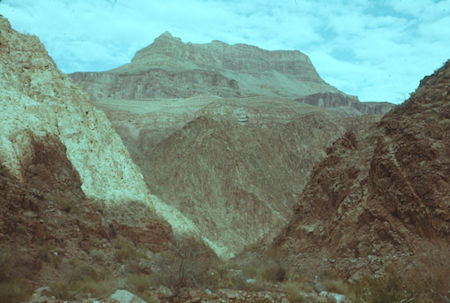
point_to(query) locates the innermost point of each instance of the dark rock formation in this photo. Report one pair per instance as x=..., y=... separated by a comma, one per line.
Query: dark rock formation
x=384, y=192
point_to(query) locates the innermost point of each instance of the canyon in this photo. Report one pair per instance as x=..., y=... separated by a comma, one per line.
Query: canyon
x=215, y=172
x=233, y=162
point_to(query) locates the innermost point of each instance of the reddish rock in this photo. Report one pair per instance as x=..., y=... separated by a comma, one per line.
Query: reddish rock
x=383, y=192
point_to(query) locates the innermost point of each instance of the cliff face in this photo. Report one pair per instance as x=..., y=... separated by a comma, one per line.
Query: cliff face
x=170, y=68
x=40, y=104
x=37, y=99
x=348, y=105
x=384, y=192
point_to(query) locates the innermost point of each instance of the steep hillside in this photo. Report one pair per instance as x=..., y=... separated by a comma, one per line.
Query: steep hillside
x=170, y=68
x=40, y=103
x=237, y=167
x=381, y=198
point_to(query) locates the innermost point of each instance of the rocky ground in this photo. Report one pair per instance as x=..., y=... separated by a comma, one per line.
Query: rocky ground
x=378, y=203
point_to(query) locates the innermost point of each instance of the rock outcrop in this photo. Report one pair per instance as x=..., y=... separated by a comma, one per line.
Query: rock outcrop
x=347, y=105
x=38, y=104
x=384, y=193
x=170, y=68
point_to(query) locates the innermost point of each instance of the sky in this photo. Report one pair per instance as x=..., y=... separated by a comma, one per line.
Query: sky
x=376, y=50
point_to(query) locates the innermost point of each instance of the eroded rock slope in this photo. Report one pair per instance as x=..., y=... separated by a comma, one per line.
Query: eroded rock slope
x=39, y=102
x=382, y=193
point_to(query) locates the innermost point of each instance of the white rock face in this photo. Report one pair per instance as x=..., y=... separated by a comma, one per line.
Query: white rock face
x=36, y=99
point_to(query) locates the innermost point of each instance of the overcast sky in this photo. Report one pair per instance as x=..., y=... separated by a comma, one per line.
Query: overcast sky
x=377, y=50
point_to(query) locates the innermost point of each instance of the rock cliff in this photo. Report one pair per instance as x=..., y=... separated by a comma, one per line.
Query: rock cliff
x=170, y=68
x=348, y=105
x=40, y=103
x=383, y=194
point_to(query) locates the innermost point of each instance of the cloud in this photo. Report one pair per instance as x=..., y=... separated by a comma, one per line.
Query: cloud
x=377, y=50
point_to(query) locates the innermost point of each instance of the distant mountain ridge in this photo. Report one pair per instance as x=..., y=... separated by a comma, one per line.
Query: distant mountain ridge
x=171, y=68
x=346, y=104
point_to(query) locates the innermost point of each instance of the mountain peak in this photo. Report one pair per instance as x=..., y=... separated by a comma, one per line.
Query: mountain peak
x=165, y=38
x=166, y=34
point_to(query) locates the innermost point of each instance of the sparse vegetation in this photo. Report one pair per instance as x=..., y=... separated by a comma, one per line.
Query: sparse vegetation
x=62, y=202
x=394, y=288
x=139, y=283
x=14, y=292
x=294, y=291
x=12, y=289
x=191, y=264
x=83, y=279
x=98, y=255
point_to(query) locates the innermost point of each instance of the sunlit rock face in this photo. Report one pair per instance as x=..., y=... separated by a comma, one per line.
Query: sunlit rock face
x=170, y=68
x=38, y=99
x=38, y=102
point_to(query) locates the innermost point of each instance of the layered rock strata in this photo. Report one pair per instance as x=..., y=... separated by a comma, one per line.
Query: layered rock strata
x=170, y=68
x=349, y=105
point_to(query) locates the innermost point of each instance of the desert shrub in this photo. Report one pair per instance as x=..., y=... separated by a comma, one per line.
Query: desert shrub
x=295, y=291
x=135, y=259
x=12, y=288
x=12, y=292
x=61, y=201
x=394, y=288
x=83, y=280
x=273, y=273
x=332, y=283
x=264, y=272
x=150, y=298
x=190, y=263
x=380, y=290
x=98, y=255
x=139, y=283
x=125, y=249
x=6, y=265
x=250, y=270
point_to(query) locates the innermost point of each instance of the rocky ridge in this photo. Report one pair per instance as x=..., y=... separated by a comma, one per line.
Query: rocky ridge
x=38, y=101
x=170, y=68
x=347, y=105
x=381, y=197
